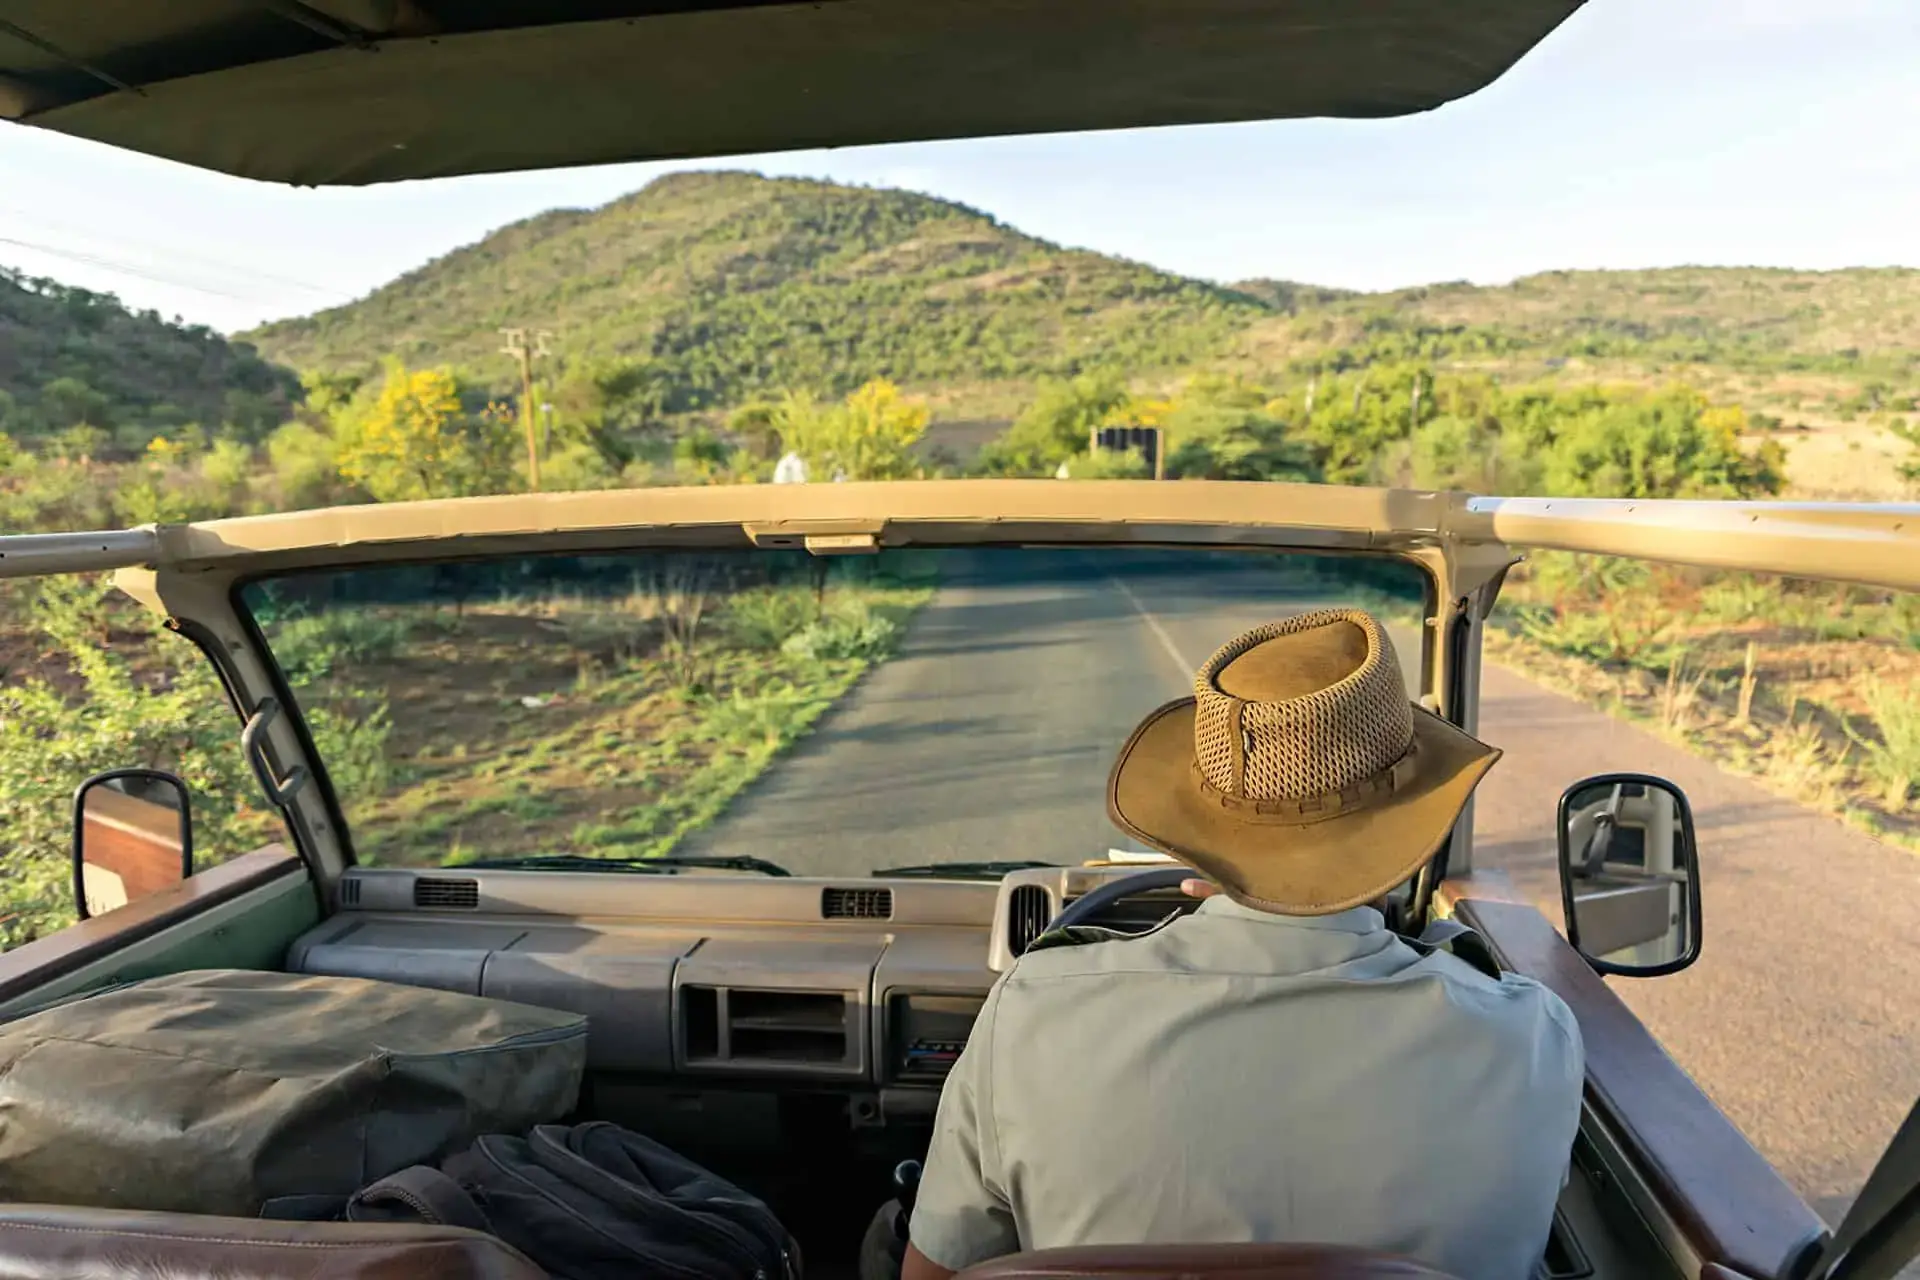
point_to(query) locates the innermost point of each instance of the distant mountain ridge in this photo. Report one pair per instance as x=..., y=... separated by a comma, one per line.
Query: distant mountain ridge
x=724, y=286
x=729, y=284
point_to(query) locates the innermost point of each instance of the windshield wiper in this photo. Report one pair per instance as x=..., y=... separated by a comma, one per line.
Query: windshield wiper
x=669, y=865
x=963, y=870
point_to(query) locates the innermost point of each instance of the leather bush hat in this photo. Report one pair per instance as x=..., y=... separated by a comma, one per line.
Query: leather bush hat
x=1298, y=777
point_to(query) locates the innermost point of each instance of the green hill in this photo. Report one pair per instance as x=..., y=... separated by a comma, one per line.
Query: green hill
x=709, y=289
x=728, y=284
x=725, y=285
x=73, y=358
x=1860, y=324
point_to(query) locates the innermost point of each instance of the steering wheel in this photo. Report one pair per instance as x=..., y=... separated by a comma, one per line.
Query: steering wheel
x=1091, y=903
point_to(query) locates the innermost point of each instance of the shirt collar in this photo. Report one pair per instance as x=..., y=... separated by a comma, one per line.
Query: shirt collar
x=1359, y=921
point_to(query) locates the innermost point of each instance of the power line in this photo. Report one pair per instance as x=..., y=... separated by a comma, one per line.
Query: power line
x=124, y=268
x=94, y=260
x=149, y=250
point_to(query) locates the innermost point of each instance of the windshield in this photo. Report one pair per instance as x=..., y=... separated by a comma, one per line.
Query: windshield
x=830, y=717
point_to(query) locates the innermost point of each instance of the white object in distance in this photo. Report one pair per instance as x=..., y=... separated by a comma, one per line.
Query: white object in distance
x=791, y=469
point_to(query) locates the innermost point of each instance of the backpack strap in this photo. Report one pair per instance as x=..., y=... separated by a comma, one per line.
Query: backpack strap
x=419, y=1192
x=1459, y=941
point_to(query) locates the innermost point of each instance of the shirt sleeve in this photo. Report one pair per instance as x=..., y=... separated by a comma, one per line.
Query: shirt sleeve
x=961, y=1215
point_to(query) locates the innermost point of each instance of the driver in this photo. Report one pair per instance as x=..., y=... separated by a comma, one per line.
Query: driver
x=1278, y=1065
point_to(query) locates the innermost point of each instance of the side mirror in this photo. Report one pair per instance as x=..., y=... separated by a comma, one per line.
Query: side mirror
x=132, y=838
x=1630, y=874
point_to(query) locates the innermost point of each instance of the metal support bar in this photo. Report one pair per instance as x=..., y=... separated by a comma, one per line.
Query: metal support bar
x=30, y=555
x=48, y=47
x=314, y=20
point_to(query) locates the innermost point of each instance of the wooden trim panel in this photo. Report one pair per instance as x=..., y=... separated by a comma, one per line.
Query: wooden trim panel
x=57, y=954
x=1728, y=1202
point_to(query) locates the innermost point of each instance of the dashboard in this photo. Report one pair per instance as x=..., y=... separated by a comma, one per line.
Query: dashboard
x=702, y=987
x=860, y=985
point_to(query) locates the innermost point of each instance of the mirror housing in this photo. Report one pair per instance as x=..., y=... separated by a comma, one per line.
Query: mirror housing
x=1630, y=874
x=132, y=838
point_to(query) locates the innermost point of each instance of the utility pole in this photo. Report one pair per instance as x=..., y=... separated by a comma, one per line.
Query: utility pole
x=518, y=347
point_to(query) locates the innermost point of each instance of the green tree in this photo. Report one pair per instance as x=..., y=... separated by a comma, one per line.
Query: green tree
x=869, y=436
x=1467, y=453
x=300, y=455
x=1357, y=418
x=69, y=402
x=604, y=405
x=326, y=392
x=1228, y=429
x=1670, y=444
x=1055, y=426
x=701, y=457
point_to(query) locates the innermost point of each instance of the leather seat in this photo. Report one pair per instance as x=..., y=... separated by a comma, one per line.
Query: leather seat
x=39, y=1241
x=1203, y=1261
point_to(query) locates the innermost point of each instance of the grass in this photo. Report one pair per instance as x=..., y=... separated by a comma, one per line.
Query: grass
x=1892, y=759
x=1807, y=688
x=533, y=728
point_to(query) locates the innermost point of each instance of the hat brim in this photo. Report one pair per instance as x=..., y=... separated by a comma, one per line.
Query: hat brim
x=1300, y=868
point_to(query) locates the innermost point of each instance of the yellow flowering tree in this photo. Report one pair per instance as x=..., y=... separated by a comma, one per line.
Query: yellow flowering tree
x=868, y=436
x=415, y=440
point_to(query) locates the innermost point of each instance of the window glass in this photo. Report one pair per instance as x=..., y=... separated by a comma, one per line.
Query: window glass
x=825, y=716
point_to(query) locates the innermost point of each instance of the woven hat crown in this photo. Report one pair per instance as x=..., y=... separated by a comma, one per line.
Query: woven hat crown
x=1259, y=736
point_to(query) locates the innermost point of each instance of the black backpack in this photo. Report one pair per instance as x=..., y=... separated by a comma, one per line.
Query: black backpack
x=592, y=1202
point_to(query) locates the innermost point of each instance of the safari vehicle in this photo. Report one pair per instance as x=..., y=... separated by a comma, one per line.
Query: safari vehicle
x=781, y=992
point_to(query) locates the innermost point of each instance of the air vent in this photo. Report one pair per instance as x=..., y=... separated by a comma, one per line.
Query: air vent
x=446, y=895
x=856, y=904
x=1028, y=910
x=350, y=892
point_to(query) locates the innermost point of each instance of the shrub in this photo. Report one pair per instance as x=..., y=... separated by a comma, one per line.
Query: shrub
x=1222, y=429
x=867, y=437
x=301, y=456
x=852, y=632
x=172, y=716
x=1893, y=759
x=766, y=617
x=1108, y=464
x=1672, y=444
x=311, y=647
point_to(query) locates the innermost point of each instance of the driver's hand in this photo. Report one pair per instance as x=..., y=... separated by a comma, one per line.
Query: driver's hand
x=1198, y=888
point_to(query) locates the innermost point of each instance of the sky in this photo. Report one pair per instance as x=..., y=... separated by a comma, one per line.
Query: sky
x=1642, y=133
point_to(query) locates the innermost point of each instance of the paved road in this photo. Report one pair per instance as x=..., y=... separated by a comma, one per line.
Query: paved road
x=1802, y=1017
x=990, y=736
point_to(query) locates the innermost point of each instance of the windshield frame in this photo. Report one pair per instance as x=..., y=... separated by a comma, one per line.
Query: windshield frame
x=1437, y=689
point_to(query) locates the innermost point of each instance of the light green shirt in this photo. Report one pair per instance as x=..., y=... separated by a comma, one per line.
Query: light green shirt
x=1241, y=1076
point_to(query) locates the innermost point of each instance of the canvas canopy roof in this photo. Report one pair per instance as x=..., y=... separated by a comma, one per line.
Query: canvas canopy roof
x=362, y=91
